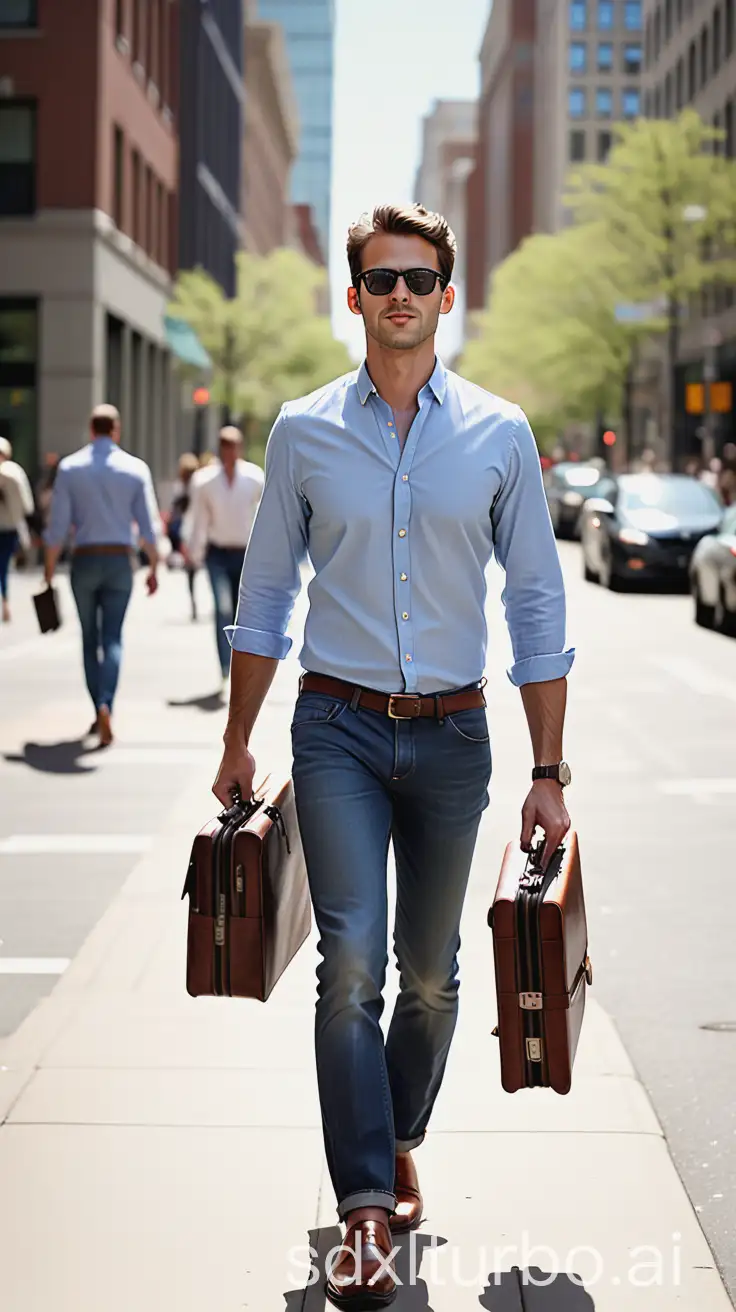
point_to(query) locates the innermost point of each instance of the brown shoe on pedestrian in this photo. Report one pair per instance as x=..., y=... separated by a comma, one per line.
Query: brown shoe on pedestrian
x=409, y=1203
x=104, y=726
x=363, y=1277
x=6, y=613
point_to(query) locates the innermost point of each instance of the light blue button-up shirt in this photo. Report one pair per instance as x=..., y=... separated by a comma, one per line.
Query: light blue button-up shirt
x=400, y=540
x=101, y=492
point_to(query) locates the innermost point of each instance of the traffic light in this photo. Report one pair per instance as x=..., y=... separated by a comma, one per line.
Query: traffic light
x=609, y=438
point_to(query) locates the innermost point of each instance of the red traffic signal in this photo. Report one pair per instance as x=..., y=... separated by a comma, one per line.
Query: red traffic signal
x=609, y=438
x=200, y=396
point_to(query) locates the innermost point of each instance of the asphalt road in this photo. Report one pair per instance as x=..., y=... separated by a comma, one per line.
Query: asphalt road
x=652, y=743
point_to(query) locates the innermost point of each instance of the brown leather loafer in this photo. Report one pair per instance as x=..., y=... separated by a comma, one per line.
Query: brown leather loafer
x=409, y=1203
x=363, y=1278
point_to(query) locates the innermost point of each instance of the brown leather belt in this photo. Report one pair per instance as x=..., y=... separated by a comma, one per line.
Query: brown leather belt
x=398, y=706
x=104, y=549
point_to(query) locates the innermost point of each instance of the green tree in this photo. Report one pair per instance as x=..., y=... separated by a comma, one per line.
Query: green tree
x=269, y=343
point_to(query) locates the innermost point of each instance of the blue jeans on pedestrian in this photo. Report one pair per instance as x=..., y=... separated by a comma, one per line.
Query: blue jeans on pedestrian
x=8, y=548
x=224, y=566
x=102, y=586
x=361, y=781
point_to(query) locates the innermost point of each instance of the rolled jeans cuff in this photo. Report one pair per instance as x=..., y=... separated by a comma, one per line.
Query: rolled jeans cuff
x=406, y=1145
x=366, y=1198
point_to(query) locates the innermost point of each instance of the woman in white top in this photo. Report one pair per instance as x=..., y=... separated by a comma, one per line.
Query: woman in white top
x=16, y=503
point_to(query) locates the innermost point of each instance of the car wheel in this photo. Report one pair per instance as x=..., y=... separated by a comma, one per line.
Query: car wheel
x=610, y=579
x=589, y=574
x=705, y=615
x=727, y=617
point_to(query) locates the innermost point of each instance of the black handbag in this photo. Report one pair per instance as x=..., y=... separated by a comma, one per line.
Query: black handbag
x=47, y=610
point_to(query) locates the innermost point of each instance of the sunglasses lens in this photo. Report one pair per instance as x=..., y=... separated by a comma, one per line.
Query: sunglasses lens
x=380, y=282
x=421, y=282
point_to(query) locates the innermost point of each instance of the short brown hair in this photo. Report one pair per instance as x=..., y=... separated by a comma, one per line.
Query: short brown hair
x=230, y=434
x=104, y=419
x=408, y=220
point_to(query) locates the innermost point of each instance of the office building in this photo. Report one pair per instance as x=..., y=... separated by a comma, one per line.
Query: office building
x=447, y=158
x=690, y=60
x=211, y=137
x=309, y=29
x=271, y=138
x=88, y=222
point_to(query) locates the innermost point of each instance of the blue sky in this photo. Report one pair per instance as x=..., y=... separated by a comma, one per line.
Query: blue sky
x=393, y=58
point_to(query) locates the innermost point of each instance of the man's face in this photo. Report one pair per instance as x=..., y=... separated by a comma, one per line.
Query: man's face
x=229, y=452
x=400, y=321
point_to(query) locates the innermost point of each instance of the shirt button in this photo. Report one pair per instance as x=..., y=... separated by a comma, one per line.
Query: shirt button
x=405, y=615
x=408, y=657
x=390, y=424
x=405, y=478
x=403, y=577
x=402, y=532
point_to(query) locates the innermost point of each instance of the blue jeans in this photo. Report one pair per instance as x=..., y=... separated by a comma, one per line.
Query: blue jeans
x=102, y=586
x=8, y=548
x=224, y=566
x=362, y=780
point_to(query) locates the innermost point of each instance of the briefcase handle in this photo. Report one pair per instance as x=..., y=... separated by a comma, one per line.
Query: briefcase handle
x=239, y=810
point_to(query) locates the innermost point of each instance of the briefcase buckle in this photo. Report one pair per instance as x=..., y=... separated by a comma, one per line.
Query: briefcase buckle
x=534, y=1049
x=415, y=703
x=531, y=1001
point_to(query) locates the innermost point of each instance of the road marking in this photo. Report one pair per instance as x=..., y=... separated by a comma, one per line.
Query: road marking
x=696, y=676
x=73, y=844
x=33, y=965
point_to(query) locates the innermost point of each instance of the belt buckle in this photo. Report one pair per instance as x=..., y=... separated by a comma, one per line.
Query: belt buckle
x=403, y=697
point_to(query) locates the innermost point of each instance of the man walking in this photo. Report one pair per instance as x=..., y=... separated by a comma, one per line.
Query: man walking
x=100, y=493
x=16, y=507
x=224, y=501
x=400, y=481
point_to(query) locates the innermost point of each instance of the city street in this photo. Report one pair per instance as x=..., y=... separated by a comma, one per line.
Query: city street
x=165, y=1152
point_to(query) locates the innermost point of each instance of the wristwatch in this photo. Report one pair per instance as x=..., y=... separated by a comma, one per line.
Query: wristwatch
x=560, y=772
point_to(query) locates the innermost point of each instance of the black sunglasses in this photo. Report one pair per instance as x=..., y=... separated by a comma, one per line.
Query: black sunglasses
x=381, y=282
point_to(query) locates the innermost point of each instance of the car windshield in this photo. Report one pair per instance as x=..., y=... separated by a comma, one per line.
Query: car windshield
x=682, y=496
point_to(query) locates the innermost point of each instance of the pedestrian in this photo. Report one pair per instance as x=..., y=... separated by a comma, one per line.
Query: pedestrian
x=400, y=481
x=16, y=505
x=101, y=493
x=188, y=466
x=224, y=500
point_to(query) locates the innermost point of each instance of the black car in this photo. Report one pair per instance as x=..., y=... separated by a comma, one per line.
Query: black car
x=646, y=529
x=568, y=485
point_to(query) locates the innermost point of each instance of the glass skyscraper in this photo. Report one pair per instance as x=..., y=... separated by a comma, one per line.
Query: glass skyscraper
x=309, y=27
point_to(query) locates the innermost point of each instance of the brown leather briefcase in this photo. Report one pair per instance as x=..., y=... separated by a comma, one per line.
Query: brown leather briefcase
x=249, y=909
x=540, y=947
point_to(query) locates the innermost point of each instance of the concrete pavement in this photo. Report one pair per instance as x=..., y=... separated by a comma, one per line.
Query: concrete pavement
x=164, y=1152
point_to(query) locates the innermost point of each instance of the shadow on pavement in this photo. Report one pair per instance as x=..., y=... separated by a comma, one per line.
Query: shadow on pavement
x=213, y=701
x=56, y=758
x=412, y=1296
x=511, y=1292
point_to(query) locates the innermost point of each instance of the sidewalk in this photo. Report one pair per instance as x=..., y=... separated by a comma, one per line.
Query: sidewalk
x=161, y=1153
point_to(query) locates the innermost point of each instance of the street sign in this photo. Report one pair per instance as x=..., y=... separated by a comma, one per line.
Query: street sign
x=721, y=398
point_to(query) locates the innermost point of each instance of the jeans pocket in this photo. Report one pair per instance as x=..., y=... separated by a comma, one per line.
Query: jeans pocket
x=471, y=726
x=316, y=708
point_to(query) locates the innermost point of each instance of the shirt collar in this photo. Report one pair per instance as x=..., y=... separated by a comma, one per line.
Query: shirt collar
x=437, y=382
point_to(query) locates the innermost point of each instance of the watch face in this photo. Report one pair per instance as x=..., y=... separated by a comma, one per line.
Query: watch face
x=564, y=774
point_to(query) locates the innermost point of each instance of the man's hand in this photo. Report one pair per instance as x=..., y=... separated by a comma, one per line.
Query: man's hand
x=151, y=584
x=545, y=807
x=236, y=772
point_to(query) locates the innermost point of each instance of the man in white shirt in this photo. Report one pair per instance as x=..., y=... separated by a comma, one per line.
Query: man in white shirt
x=224, y=501
x=16, y=504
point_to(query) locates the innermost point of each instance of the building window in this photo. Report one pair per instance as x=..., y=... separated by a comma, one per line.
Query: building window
x=692, y=60
x=577, y=146
x=154, y=30
x=648, y=43
x=605, y=15
x=667, y=20
x=578, y=15
x=605, y=141
x=716, y=40
x=118, y=164
x=605, y=57
x=578, y=57
x=703, y=56
x=576, y=102
x=632, y=58
x=648, y=104
x=120, y=19
x=18, y=13
x=631, y=102
x=604, y=102
x=680, y=85
x=17, y=158
x=148, y=228
x=139, y=32
x=728, y=29
x=18, y=363
x=161, y=232
x=136, y=197
x=658, y=102
x=632, y=16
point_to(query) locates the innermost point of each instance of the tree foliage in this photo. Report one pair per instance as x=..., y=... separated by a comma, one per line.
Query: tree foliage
x=653, y=225
x=269, y=343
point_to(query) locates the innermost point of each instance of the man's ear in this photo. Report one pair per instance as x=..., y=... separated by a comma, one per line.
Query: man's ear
x=354, y=301
x=448, y=299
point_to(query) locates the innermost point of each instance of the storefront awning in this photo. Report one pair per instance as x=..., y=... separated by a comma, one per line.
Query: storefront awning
x=185, y=343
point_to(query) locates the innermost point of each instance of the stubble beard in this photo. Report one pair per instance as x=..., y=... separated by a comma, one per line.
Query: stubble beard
x=398, y=339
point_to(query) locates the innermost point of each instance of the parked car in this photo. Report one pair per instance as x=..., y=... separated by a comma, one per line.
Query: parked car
x=646, y=529
x=713, y=577
x=568, y=485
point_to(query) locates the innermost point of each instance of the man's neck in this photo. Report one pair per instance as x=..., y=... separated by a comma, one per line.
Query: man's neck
x=399, y=376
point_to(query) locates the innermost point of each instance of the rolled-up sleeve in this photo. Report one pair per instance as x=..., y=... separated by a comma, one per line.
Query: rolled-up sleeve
x=60, y=514
x=525, y=547
x=271, y=576
x=145, y=508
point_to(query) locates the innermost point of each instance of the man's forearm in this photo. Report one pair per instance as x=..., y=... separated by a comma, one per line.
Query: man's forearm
x=51, y=560
x=250, y=679
x=544, y=704
x=151, y=553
